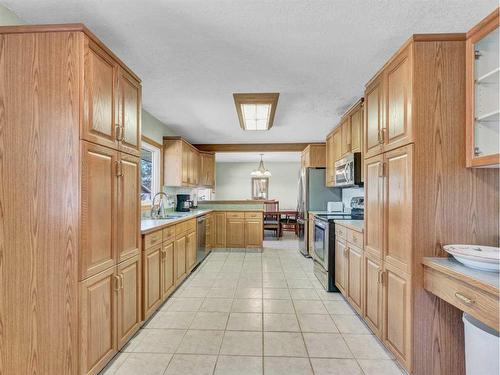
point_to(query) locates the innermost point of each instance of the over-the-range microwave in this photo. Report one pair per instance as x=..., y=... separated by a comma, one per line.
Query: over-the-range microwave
x=348, y=171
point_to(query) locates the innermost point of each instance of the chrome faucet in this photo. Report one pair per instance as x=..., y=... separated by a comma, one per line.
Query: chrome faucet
x=157, y=209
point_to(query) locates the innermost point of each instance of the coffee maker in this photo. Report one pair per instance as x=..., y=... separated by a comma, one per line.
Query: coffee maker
x=183, y=203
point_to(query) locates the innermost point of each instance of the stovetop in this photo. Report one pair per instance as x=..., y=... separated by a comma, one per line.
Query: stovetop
x=355, y=214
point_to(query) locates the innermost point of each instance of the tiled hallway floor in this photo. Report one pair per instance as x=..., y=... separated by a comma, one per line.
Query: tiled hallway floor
x=245, y=313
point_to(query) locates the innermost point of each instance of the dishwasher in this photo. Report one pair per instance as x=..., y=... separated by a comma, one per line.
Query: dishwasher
x=202, y=239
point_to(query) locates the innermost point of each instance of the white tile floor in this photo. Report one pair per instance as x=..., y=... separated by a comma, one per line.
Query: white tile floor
x=254, y=313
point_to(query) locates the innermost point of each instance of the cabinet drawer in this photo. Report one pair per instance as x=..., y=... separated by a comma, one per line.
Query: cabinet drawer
x=340, y=232
x=152, y=239
x=181, y=228
x=235, y=215
x=191, y=225
x=356, y=238
x=169, y=233
x=474, y=301
x=253, y=215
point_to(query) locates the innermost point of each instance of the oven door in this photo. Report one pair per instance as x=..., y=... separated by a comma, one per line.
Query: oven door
x=321, y=242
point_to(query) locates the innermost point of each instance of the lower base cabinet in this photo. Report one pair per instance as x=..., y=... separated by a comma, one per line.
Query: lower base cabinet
x=341, y=265
x=167, y=270
x=191, y=245
x=253, y=233
x=152, y=278
x=355, y=277
x=110, y=313
x=372, y=293
x=180, y=259
x=235, y=232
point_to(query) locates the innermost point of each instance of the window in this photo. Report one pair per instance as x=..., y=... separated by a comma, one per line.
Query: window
x=150, y=171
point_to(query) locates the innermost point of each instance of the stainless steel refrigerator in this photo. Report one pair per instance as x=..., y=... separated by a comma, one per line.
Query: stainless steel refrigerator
x=313, y=196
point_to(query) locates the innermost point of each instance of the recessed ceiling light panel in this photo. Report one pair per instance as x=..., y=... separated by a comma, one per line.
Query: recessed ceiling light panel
x=256, y=111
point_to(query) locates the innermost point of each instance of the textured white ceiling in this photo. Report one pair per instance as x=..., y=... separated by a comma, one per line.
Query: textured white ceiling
x=254, y=157
x=193, y=54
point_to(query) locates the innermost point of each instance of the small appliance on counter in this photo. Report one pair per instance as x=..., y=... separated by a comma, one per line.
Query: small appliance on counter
x=324, y=241
x=183, y=203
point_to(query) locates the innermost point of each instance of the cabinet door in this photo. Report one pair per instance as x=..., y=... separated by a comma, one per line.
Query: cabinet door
x=129, y=209
x=98, y=295
x=372, y=293
x=167, y=269
x=398, y=207
x=340, y=265
x=129, y=299
x=152, y=279
x=220, y=229
x=397, y=313
x=357, y=130
x=235, y=233
x=99, y=123
x=211, y=171
x=330, y=162
x=129, y=112
x=355, y=277
x=345, y=133
x=190, y=251
x=98, y=208
x=374, y=111
x=180, y=259
x=196, y=168
x=398, y=125
x=337, y=147
x=374, y=205
x=253, y=233
x=185, y=164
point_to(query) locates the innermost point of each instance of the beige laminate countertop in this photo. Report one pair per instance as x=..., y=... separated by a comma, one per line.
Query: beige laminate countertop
x=357, y=225
x=488, y=281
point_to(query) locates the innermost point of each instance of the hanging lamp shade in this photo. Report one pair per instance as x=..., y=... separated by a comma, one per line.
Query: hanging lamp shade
x=261, y=171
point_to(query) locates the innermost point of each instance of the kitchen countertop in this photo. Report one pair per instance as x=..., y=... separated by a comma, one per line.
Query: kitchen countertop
x=488, y=281
x=357, y=225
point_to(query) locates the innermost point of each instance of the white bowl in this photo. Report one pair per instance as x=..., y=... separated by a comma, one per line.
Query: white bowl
x=484, y=258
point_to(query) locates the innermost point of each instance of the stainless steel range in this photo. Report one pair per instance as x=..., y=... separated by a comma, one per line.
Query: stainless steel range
x=324, y=242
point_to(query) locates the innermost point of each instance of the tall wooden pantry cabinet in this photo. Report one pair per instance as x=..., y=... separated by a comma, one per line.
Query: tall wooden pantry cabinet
x=70, y=263
x=420, y=196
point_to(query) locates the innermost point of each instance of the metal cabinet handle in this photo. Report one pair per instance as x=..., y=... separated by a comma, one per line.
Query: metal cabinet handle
x=117, y=283
x=121, y=281
x=464, y=299
x=381, y=134
x=122, y=133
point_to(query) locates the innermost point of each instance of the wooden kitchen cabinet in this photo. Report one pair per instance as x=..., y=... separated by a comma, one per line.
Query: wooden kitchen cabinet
x=99, y=123
x=98, y=201
x=129, y=299
x=482, y=101
x=152, y=295
x=253, y=232
x=341, y=264
x=128, y=208
x=374, y=117
x=345, y=137
x=98, y=318
x=207, y=169
x=356, y=117
x=235, y=232
x=181, y=162
x=167, y=269
x=372, y=294
x=220, y=229
x=314, y=155
x=355, y=277
x=374, y=205
x=397, y=312
x=128, y=93
x=190, y=251
x=180, y=259
x=330, y=162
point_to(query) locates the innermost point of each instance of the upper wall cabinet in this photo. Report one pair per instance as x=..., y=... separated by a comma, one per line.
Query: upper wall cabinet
x=389, y=105
x=111, y=102
x=182, y=163
x=314, y=156
x=206, y=176
x=482, y=93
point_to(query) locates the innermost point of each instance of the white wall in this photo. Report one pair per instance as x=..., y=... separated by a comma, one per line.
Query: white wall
x=233, y=181
x=7, y=17
x=154, y=128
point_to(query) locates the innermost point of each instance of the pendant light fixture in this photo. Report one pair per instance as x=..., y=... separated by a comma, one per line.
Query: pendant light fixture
x=261, y=171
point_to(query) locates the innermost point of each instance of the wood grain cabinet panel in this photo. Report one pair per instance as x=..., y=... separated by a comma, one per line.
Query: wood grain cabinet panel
x=98, y=205
x=374, y=205
x=357, y=130
x=398, y=125
x=180, y=259
x=355, y=277
x=253, y=232
x=398, y=207
x=337, y=148
x=345, y=133
x=397, y=313
x=190, y=251
x=220, y=229
x=235, y=233
x=330, y=162
x=129, y=299
x=129, y=113
x=98, y=296
x=374, y=117
x=129, y=210
x=372, y=294
x=99, y=124
x=341, y=265
x=167, y=270
x=151, y=294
